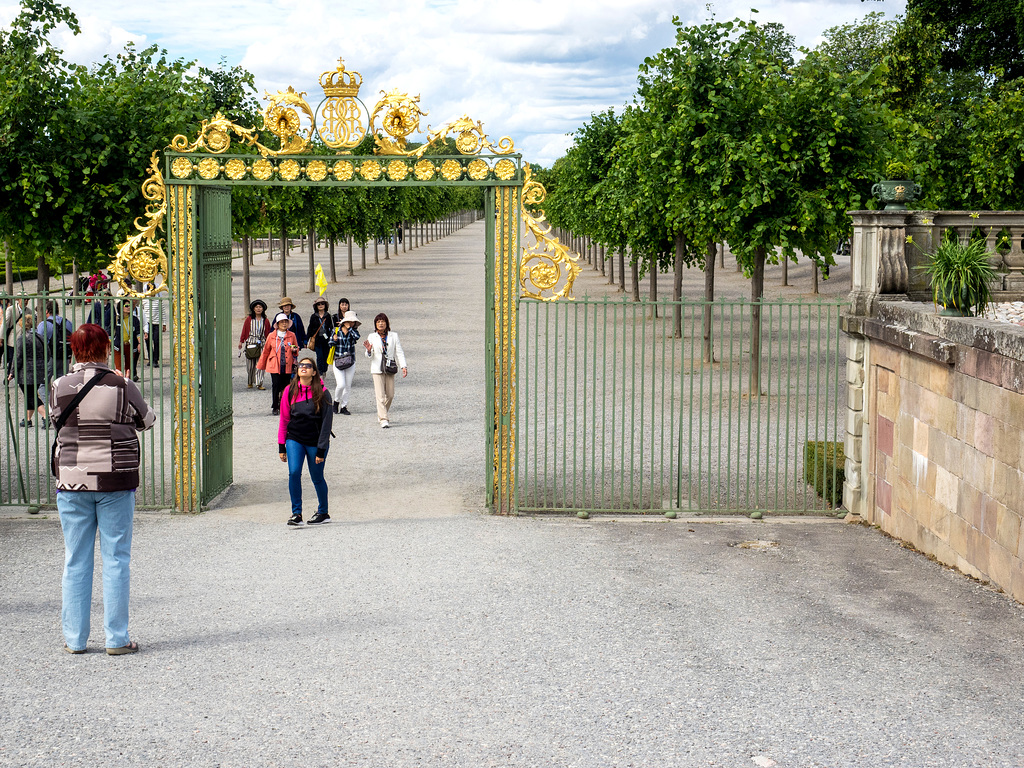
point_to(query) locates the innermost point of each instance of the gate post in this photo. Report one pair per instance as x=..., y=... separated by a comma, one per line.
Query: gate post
x=502, y=275
x=181, y=236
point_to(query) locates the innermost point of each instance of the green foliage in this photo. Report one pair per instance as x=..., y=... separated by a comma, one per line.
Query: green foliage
x=75, y=141
x=975, y=34
x=961, y=274
x=895, y=169
x=825, y=469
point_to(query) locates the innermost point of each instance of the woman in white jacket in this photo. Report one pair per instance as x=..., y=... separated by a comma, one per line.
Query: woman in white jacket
x=383, y=348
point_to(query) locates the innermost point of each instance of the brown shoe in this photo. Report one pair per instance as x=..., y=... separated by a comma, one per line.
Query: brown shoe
x=132, y=647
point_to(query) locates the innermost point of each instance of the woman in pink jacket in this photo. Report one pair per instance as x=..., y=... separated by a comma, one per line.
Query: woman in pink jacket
x=304, y=435
x=278, y=357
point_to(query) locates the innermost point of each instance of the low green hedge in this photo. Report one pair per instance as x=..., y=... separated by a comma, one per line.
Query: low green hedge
x=825, y=469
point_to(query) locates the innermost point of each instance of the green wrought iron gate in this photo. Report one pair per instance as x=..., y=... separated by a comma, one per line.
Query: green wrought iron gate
x=618, y=413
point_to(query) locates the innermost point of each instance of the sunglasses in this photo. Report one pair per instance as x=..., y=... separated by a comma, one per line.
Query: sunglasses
x=305, y=365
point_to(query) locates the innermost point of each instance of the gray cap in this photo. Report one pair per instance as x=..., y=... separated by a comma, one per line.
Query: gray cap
x=306, y=355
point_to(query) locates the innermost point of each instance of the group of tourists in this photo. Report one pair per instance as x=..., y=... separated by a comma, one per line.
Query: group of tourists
x=298, y=357
x=34, y=353
x=96, y=452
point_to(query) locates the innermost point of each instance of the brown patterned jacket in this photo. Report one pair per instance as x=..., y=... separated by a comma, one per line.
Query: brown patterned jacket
x=97, y=449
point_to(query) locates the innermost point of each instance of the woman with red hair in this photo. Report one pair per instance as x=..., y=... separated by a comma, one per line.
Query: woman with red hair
x=96, y=414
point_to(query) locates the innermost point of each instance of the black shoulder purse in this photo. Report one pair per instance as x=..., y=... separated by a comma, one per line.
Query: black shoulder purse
x=66, y=414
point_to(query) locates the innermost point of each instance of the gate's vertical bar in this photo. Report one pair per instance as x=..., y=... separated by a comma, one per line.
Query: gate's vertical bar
x=182, y=235
x=490, y=347
x=833, y=331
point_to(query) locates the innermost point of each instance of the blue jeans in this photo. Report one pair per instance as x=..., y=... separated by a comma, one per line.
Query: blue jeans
x=296, y=453
x=82, y=513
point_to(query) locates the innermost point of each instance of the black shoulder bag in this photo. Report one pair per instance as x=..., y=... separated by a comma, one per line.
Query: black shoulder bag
x=66, y=414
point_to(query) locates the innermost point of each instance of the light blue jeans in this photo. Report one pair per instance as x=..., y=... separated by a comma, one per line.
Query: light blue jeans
x=297, y=453
x=82, y=513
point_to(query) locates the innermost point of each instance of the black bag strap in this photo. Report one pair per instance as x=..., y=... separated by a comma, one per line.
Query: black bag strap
x=66, y=413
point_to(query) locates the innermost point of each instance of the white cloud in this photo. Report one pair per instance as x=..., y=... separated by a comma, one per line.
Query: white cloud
x=532, y=69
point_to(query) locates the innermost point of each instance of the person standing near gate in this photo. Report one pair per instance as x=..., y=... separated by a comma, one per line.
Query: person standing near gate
x=96, y=464
x=304, y=435
x=278, y=357
x=383, y=348
x=27, y=366
x=288, y=307
x=254, y=333
x=321, y=328
x=153, y=323
x=127, y=340
x=344, y=343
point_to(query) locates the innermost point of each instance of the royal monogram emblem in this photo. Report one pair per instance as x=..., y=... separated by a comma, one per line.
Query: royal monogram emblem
x=341, y=112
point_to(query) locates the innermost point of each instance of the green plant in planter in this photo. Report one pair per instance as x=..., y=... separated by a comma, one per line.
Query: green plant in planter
x=960, y=274
x=897, y=170
x=897, y=189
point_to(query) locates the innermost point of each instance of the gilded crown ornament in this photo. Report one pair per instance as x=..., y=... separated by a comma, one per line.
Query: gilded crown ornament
x=341, y=82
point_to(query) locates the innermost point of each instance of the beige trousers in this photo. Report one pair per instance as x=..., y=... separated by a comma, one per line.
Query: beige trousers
x=384, y=389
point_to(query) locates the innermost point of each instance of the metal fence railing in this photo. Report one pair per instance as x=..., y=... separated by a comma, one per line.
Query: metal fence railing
x=617, y=413
x=36, y=356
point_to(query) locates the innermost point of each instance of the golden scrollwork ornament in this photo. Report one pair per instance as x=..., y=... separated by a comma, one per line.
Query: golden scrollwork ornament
x=547, y=263
x=470, y=138
x=283, y=118
x=399, y=115
x=141, y=258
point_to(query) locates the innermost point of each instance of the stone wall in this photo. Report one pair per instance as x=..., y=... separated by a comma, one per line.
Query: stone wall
x=935, y=405
x=947, y=421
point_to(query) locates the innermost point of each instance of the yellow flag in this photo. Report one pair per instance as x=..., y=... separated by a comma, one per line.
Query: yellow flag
x=321, y=281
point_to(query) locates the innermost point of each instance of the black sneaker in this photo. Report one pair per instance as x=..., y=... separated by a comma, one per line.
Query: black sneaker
x=295, y=520
x=344, y=409
x=319, y=517
x=276, y=412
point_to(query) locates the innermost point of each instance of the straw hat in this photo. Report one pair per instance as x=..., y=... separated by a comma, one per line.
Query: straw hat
x=350, y=317
x=281, y=316
x=319, y=301
x=287, y=300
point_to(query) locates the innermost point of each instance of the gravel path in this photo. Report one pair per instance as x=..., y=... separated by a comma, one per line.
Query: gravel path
x=417, y=631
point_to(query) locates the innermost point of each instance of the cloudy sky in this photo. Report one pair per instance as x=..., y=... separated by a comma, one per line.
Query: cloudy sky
x=531, y=70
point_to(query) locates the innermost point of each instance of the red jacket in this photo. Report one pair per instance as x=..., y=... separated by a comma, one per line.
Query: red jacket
x=271, y=356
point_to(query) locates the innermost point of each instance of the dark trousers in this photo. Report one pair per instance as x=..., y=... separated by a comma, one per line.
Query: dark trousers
x=153, y=344
x=279, y=384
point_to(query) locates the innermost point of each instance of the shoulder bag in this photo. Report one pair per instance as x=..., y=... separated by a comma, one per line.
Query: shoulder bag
x=66, y=414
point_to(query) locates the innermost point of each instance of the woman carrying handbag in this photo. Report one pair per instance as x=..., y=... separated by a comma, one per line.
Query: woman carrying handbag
x=320, y=327
x=344, y=358
x=384, y=349
x=254, y=333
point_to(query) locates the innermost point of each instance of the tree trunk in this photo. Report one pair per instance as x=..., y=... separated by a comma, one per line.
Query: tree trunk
x=351, y=271
x=330, y=253
x=654, y=285
x=622, y=268
x=376, y=259
x=677, y=285
x=312, y=267
x=721, y=255
x=270, y=245
x=814, y=277
x=604, y=269
x=246, y=299
x=362, y=249
x=756, y=292
x=636, y=279
x=42, y=275
x=611, y=268
x=785, y=271
x=387, y=247
x=8, y=269
x=711, y=254
x=284, y=258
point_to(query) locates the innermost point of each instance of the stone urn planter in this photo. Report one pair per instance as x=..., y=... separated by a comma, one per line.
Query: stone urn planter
x=897, y=190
